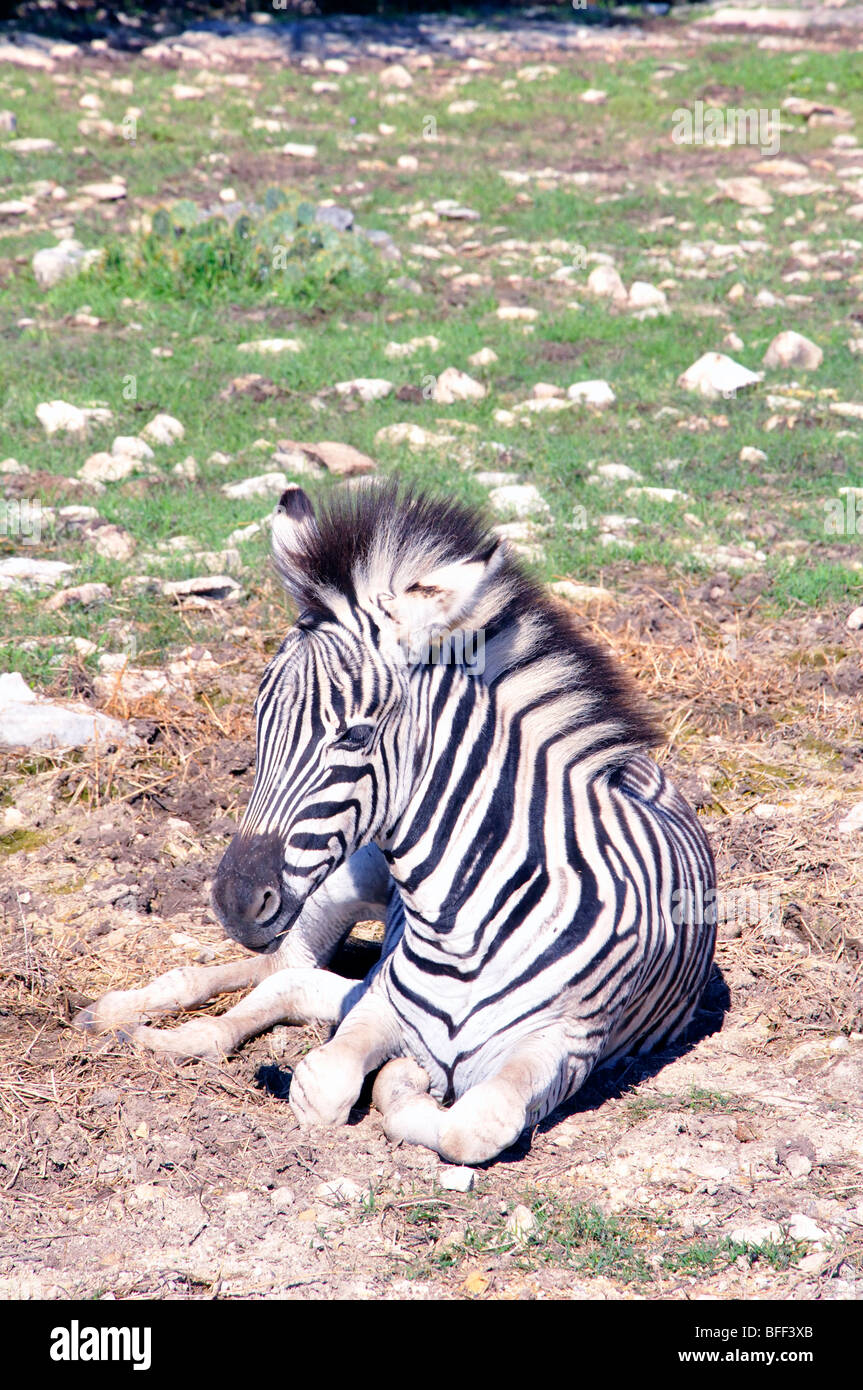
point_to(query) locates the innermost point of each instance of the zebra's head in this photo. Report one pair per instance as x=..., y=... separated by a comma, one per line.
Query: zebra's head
x=377, y=576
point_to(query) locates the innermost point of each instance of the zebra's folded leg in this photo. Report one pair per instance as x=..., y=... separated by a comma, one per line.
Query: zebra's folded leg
x=328, y=1081
x=410, y=1114
x=185, y=987
x=491, y=1115
x=295, y=995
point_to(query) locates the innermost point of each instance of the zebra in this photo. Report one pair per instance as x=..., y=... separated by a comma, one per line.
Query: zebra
x=540, y=877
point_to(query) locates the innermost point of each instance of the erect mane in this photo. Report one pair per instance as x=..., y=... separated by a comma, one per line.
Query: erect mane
x=382, y=535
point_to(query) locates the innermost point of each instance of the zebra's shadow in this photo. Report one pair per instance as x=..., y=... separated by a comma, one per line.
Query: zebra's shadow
x=618, y=1078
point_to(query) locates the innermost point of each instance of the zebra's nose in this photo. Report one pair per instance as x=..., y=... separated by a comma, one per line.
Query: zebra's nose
x=246, y=893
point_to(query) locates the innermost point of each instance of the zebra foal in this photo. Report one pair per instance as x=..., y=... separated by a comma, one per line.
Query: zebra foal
x=531, y=858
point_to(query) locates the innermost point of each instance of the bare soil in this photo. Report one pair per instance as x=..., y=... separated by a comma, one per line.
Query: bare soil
x=123, y=1174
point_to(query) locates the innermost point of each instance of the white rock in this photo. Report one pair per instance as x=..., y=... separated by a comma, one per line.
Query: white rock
x=262, y=485
x=82, y=595
x=408, y=162
x=645, y=296
x=397, y=76
x=485, y=357
x=803, y=1228
x=521, y=1223
x=30, y=145
x=849, y=410
x=340, y=1190
x=368, y=388
x=109, y=192
x=523, y=499
x=715, y=375
x=546, y=390
x=456, y=1179
x=183, y=91
x=11, y=465
x=658, y=494
x=749, y=192
x=163, y=429
x=594, y=96
x=758, y=1234
x=22, y=571
x=517, y=313
x=580, y=593
x=414, y=436
x=395, y=351
x=130, y=446
x=204, y=590
x=605, y=282
x=791, y=349
x=749, y=454
x=60, y=262
x=28, y=721
x=453, y=385
x=854, y=621
x=595, y=393
x=59, y=417
x=271, y=345
x=107, y=468
x=542, y=405
x=854, y=819
x=282, y=1198
x=618, y=473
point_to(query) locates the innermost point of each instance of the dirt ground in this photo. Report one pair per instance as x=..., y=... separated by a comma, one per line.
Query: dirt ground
x=125, y=1175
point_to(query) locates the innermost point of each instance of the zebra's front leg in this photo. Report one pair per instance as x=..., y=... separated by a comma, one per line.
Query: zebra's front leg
x=185, y=987
x=291, y=996
x=328, y=1081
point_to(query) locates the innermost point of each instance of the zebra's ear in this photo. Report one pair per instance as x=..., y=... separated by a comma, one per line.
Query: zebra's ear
x=442, y=598
x=294, y=525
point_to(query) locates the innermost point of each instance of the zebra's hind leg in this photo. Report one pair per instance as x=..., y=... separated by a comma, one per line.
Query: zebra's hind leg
x=488, y=1117
x=297, y=995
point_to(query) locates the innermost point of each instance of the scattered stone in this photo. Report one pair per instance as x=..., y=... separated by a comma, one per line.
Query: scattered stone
x=647, y=298
x=456, y=1179
x=522, y=499
x=11, y=465
x=282, y=1198
x=517, y=313
x=522, y=1223
x=580, y=593
x=106, y=468
x=748, y=192
x=453, y=385
x=205, y=590
x=791, y=349
x=182, y=91
x=854, y=621
x=546, y=390
x=749, y=454
x=342, y=459
x=594, y=96
x=21, y=571
x=849, y=410
x=367, y=388
x=596, y=393
x=261, y=485
x=803, y=1228
x=130, y=446
x=396, y=351
x=28, y=721
x=81, y=596
x=715, y=375
x=271, y=345
x=605, y=282
x=32, y=145
x=617, y=473
x=109, y=192
x=539, y=406
x=111, y=542
x=340, y=1190
x=163, y=429
x=449, y=208
x=758, y=1234
x=413, y=435
x=61, y=262
x=658, y=494
x=485, y=357
x=396, y=76
x=853, y=820
x=59, y=417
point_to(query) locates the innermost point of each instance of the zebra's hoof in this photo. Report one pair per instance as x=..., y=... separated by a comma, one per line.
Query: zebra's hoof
x=398, y=1081
x=324, y=1086
x=486, y=1120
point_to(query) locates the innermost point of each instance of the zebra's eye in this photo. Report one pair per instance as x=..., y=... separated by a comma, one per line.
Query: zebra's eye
x=357, y=736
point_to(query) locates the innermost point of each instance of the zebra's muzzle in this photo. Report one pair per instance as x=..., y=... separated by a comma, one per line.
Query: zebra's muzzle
x=248, y=897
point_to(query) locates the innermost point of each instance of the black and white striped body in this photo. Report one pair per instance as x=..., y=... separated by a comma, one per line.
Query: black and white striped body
x=538, y=856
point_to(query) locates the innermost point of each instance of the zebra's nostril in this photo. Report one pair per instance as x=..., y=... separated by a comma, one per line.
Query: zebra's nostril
x=268, y=904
